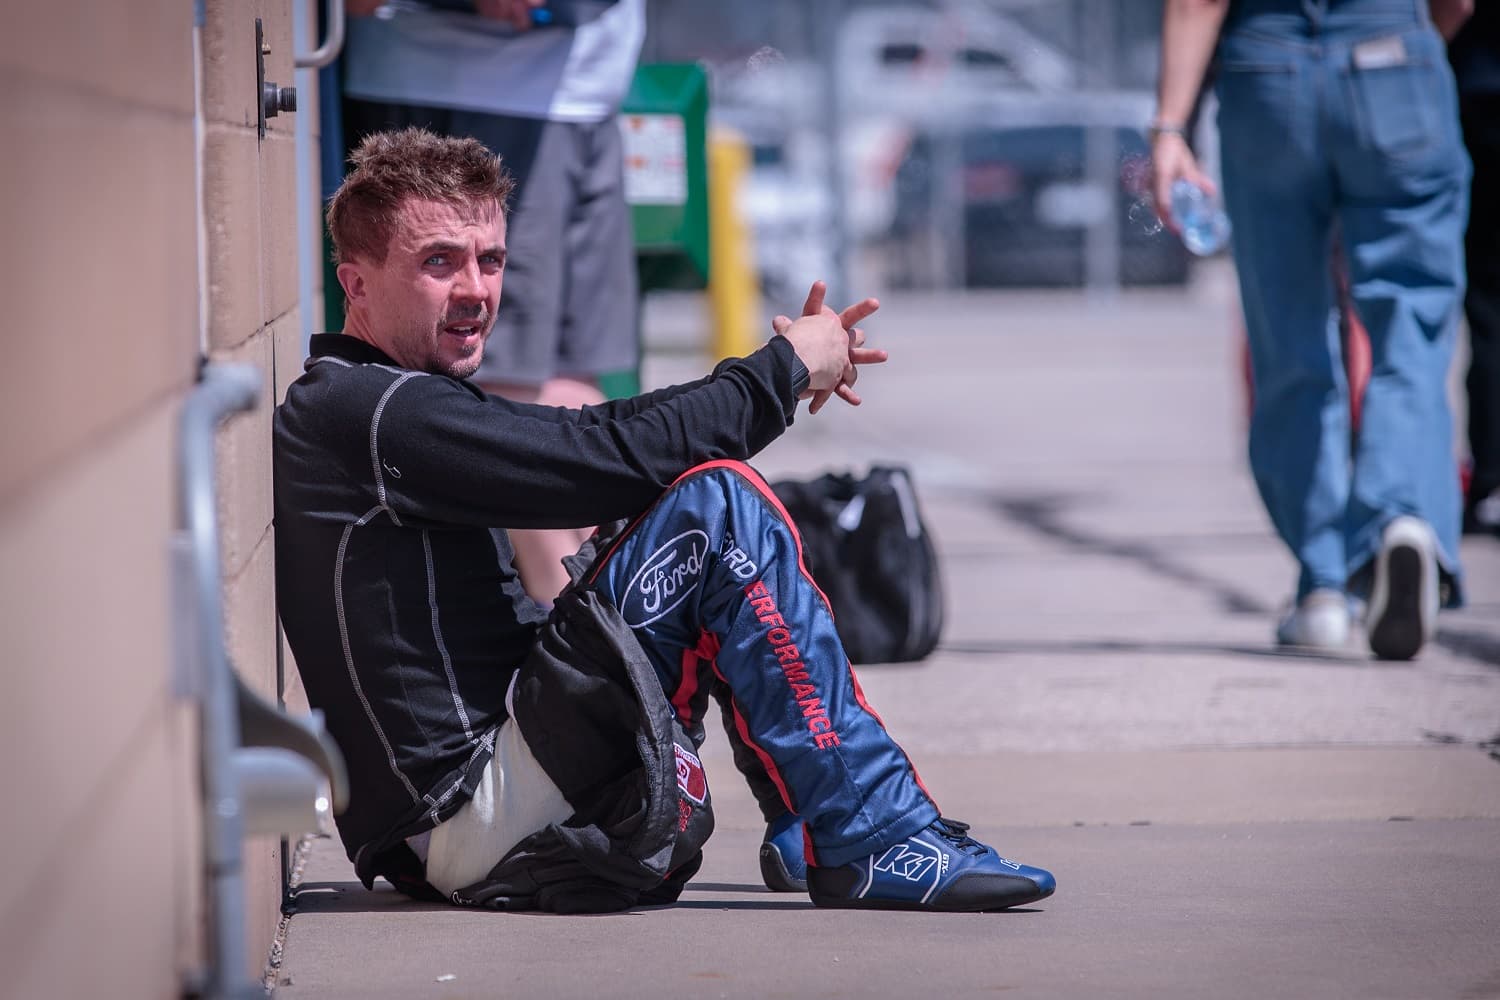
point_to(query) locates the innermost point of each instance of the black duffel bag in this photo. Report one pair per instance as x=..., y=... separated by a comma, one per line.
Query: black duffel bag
x=867, y=548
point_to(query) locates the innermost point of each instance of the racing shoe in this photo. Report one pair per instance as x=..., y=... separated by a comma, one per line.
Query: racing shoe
x=783, y=861
x=940, y=869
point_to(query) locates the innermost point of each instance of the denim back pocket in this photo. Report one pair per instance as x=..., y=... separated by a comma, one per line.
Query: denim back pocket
x=1261, y=109
x=1263, y=94
x=1397, y=107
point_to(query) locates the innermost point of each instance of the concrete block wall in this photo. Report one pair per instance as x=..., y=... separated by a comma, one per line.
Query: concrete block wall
x=253, y=317
x=98, y=263
x=99, y=270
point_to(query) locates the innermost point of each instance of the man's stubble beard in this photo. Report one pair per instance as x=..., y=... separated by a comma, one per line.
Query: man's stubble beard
x=425, y=347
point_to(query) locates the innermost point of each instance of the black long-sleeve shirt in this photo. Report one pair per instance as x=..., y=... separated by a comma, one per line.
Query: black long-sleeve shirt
x=395, y=580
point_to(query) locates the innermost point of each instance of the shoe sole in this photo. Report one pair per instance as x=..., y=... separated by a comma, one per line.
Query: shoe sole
x=774, y=873
x=856, y=903
x=1397, y=630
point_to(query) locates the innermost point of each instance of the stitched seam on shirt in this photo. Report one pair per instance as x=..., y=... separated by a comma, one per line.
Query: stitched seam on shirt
x=374, y=446
x=437, y=636
x=338, y=603
x=486, y=742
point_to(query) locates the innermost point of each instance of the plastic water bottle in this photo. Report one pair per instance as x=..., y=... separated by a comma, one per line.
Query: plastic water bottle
x=1205, y=227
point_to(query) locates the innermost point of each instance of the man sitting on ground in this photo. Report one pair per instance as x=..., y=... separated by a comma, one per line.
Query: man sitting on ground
x=396, y=479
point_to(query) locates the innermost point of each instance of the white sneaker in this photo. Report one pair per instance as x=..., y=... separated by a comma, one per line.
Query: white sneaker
x=1319, y=621
x=1404, y=594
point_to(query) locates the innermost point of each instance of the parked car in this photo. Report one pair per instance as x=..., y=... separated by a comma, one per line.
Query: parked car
x=1013, y=205
x=912, y=61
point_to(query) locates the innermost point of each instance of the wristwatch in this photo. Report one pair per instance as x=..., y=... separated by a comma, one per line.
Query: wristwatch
x=800, y=376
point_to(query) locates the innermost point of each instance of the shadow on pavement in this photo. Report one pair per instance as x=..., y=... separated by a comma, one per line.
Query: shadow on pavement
x=1473, y=645
x=1071, y=647
x=1042, y=514
x=735, y=887
x=352, y=897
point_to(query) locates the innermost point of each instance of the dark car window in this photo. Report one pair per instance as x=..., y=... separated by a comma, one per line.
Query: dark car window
x=901, y=53
x=1047, y=145
x=983, y=58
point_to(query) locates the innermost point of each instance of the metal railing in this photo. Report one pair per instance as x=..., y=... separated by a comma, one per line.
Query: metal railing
x=332, y=45
x=263, y=771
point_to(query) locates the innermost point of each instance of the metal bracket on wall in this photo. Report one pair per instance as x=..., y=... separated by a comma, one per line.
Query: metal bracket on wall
x=272, y=98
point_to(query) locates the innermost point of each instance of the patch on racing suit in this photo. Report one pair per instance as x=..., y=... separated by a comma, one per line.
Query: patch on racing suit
x=691, y=780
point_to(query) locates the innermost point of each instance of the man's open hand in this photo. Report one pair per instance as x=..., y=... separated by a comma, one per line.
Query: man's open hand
x=831, y=345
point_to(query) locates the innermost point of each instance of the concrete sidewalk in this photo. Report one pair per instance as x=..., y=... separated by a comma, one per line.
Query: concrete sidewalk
x=1224, y=820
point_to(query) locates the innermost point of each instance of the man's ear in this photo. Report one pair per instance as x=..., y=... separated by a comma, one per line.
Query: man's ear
x=351, y=276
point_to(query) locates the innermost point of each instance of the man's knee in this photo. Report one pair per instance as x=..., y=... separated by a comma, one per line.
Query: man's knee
x=733, y=474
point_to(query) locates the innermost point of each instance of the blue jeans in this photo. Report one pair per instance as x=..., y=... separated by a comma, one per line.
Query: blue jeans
x=711, y=581
x=1341, y=117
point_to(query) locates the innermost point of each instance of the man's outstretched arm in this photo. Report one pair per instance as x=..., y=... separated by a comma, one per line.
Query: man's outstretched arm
x=471, y=460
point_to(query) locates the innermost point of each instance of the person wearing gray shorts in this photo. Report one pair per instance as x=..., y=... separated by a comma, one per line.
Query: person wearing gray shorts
x=545, y=97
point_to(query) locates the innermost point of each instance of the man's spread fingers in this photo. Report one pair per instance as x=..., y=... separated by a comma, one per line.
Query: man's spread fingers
x=848, y=395
x=814, y=303
x=868, y=355
x=858, y=312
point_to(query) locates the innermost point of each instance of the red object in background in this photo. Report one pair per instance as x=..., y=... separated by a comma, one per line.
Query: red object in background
x=1355, y=339
x=1357, y=360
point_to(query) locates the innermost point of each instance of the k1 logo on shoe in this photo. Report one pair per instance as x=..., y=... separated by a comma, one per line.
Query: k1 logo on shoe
x=669, y=575
x=912, y=860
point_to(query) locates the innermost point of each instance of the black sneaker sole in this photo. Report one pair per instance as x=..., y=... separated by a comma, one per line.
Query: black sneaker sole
x=773, y=872
x=1396, y=630
x=948, y=902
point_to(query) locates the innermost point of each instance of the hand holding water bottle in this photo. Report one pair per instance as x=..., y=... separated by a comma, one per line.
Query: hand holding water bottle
x=1186, y=200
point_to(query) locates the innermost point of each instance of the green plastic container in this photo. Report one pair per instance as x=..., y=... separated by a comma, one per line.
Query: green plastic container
x=664, y=125
x=664, y=131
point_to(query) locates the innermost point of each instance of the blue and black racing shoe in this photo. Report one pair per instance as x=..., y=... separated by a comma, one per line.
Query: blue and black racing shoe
x=940, y=868
x=783, y=860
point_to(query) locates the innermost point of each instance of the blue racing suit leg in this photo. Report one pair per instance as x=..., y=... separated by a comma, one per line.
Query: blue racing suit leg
x=711, y=581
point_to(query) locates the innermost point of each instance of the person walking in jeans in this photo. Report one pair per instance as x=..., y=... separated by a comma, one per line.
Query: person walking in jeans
x=1339, y=116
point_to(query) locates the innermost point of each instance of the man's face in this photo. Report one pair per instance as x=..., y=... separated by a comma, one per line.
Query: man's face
x=430, y=304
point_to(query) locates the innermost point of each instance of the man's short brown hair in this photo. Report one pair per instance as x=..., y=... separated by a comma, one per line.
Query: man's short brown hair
x=391, y=167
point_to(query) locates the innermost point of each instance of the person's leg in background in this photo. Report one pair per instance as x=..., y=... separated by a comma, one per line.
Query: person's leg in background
x=1299, y=429
x=711, y=581
x=570, y=306
x=520, y=356
x=1480, y=114
x=1403, y=180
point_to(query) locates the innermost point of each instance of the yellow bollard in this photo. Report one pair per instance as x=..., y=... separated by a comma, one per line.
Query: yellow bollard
x=733, y=291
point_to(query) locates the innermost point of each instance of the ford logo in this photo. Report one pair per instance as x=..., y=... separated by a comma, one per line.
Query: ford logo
x=665, y=581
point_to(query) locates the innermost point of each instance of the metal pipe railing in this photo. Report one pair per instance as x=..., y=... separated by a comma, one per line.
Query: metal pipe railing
x=332, y=45
x=263, y=771
x=223, y=390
